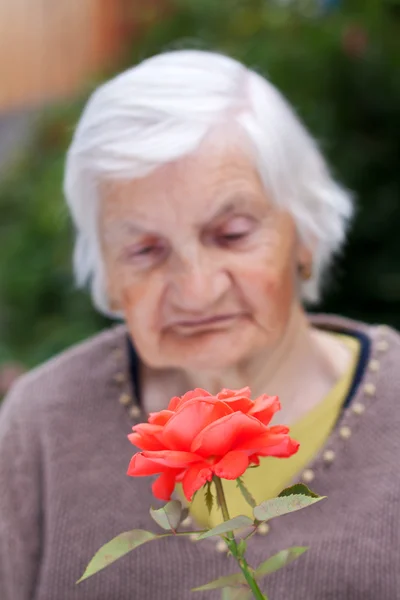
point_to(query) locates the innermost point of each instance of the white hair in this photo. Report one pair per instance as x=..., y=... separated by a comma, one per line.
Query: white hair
x=160, y=111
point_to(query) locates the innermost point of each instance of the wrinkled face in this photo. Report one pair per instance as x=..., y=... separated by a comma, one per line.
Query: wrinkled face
x=199, y=260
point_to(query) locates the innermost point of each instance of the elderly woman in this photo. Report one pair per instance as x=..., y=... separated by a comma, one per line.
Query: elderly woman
x=206, y=218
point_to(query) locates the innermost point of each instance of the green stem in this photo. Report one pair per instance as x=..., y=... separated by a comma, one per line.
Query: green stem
x=221, y=500
x=251, y=581
x=245, y=568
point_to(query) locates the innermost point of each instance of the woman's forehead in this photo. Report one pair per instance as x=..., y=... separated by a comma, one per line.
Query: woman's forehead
x=138, y=213
x=217, y=180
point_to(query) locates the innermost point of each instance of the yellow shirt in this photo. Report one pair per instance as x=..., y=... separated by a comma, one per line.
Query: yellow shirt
x=274, y=474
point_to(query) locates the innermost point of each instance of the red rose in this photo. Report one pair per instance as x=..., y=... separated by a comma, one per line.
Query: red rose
x=200, y=435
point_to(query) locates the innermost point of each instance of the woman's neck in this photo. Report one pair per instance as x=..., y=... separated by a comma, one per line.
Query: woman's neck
x=300, y=369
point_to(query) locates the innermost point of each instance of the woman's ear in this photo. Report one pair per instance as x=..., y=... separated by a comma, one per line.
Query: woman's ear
x=304, y=261
x=114, y=306
x=113, y=299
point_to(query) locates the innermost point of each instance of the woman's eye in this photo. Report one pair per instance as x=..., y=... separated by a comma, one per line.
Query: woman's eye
x=144, y=253
x=236, y=231
x=234, y=236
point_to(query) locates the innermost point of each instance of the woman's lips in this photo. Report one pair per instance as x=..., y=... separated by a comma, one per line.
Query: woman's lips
x=205, y=323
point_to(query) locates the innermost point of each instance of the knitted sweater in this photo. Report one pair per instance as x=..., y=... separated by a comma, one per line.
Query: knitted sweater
x=64, y=490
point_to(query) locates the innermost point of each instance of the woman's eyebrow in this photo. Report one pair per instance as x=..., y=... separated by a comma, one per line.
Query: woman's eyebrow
x=115, y=228
x=240, y=201
x=232, y=204
x=227, y=207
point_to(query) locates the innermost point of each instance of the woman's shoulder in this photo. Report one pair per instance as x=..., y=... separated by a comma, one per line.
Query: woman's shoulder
x=380, y=349
x=80, y=371
x=385, y=337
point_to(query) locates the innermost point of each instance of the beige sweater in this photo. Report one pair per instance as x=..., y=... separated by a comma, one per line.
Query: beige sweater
x=64, y=490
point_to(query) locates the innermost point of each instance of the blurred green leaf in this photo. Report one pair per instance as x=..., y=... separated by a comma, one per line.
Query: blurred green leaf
x=276, y=507
x=241, y=593
x=169, y=516
x=239, y=522
x=245, y=493
x=279, y=560
x=298, y=488
x=221, y=582
x=116, y=548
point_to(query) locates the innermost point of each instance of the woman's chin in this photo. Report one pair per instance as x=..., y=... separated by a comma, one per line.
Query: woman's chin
x=210, y=350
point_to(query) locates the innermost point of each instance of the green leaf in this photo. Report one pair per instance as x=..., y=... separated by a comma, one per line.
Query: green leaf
x=236, y=523
x=276, y=507
x=298, y=488
x=184, y=514
x=209, y=498
x=221, y=582
x=245, y=493
x=242, y=593
x=169, y=516
x=276, y=562
x=116, y=548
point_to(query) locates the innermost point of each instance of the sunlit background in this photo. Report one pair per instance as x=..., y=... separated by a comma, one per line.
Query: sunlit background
x=338, y=62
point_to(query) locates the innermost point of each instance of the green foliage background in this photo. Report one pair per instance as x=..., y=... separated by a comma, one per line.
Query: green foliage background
x=339, y=66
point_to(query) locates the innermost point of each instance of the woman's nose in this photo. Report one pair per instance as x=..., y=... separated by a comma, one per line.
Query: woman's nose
x=198, y=282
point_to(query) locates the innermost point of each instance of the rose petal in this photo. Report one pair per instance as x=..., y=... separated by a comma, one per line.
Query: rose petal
x=276, y=429
x=195, y=477
x=226, y=393
x=286, y=448
x=160, y=418
x=148, y=428
x=271, y=444
x=172, y=458
x=180, y=475
x=254, y=460
x=189, y=420
x=240, y=403
x=173, y=403
x=192, y=395
x=259, y=442
x=232, y=465
x=145, y=442
x=140, y=466
x=147, y=436
x=265, y=407
x=228, y=433
x=164, y=485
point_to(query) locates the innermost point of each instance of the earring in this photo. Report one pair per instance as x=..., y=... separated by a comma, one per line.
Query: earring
x=305, y=272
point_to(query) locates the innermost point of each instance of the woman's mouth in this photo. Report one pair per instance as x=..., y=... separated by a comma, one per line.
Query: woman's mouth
x=205, y=323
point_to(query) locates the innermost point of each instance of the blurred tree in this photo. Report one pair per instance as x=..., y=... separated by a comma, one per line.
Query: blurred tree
x=338, y=63
x=40, y=310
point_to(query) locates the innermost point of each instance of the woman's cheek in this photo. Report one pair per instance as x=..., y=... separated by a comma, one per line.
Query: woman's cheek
x=270, y=293
x=133, y=302
x=114, y=288
x=140, y=302
x=263, y=283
